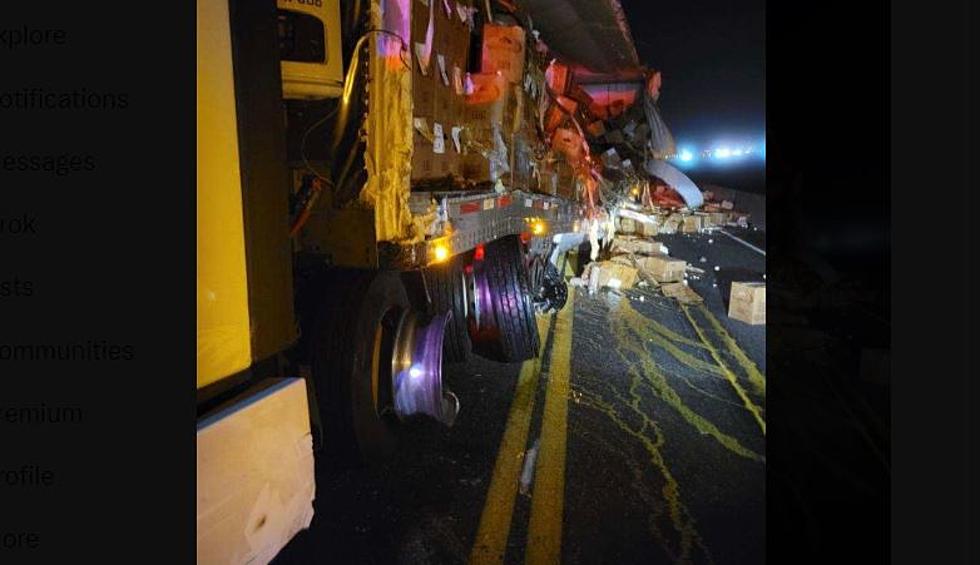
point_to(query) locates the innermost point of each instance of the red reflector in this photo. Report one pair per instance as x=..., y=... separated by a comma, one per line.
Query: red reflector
x=478, y=254
x=470, y=207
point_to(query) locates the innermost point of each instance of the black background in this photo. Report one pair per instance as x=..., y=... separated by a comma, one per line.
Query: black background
x=115, y=260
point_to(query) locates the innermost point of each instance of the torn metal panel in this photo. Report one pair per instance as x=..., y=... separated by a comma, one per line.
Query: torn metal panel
x=677, y=180
x=592, y=33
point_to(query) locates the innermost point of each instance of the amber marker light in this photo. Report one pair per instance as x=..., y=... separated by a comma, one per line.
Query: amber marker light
x=440, y=251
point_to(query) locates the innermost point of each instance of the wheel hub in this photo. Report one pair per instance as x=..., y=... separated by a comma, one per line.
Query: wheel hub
x=417, y=370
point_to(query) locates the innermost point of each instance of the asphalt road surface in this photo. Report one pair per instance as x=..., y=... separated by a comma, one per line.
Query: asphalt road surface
x=637, y=436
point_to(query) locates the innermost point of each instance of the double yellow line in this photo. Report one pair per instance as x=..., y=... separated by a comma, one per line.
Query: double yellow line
x=548, y=494
x=730, y=346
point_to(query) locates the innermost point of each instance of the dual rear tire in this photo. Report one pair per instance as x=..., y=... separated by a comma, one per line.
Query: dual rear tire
x=448, y=293
x=357, y=327
x=491, y=304
x=512, y=303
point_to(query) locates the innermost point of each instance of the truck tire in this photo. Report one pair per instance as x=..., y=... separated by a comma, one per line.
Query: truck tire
x=447, y=291
x=513, y=308
x=349, y=349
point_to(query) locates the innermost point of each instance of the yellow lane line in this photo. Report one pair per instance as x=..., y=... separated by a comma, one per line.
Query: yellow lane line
x=548, y=496
x=491, y=537
x=756, y=377
x=732, y=379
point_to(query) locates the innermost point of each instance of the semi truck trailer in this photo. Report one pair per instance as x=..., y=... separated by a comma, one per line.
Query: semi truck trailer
x=382, y=187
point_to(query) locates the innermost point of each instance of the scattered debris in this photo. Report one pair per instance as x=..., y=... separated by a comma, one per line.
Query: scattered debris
x=683, y=293
x=527, y=473
x=691, y=224
x=672, y=224
x=633, y=245
x=662, y=268
x=615, y=273
x=627, y=225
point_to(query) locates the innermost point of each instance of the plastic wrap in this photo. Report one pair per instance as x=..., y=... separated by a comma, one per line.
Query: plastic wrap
x=388, y=152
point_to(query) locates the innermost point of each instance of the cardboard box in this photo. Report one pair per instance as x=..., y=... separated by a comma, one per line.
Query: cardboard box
x=547, y=182
x=691, y=224
x=717, y=219
x=503, y=51
x=423, y=159
x=671, y=224
x=488, y=101
x=423, y=94
x=558, y=78
x=569, y=143
x=683, y=293
x=626, y=225
x=662, y=268
x=614, y=274
x=652, y=228
x=747, y=302
x=567, y=185
x=636, y=246
x=475, y=168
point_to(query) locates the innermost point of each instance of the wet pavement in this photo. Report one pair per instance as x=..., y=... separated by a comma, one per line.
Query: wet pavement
x=644, y=421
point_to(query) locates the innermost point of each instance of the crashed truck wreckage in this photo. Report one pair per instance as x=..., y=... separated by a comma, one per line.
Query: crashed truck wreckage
x=545, y=113
x=402, y=185
x=603, y=100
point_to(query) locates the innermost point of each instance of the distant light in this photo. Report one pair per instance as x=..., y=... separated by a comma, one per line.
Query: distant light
x=727, y=152
x=415, y=372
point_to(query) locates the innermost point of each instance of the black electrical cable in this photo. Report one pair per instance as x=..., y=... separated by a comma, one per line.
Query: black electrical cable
x=306, y=135
x=331, y=114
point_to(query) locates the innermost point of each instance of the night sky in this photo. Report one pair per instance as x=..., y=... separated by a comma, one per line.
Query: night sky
x=712, y=56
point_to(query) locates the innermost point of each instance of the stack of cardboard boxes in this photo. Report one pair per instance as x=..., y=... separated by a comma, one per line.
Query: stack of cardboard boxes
x=439, y=83
x=475, y=128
